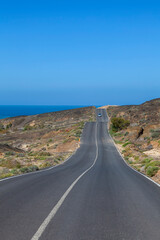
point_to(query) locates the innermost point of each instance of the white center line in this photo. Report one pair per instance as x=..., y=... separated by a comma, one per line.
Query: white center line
x=51, y=215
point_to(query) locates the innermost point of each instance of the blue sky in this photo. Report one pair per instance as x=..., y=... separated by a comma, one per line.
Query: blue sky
x=79, y=52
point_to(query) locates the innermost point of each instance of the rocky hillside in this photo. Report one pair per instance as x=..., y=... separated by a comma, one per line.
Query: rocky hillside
x=28, y=143
x=140, y=141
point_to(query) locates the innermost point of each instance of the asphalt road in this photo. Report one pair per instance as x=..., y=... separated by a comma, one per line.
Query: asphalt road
x=92, y=196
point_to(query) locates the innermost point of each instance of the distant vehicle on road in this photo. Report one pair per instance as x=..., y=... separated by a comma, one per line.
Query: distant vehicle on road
x=99, y=115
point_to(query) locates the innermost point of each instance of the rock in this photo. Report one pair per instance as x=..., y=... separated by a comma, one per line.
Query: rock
x=149, y=147
x=43, y=149
x=3, y=170
x=134, y=124
x=142, y=169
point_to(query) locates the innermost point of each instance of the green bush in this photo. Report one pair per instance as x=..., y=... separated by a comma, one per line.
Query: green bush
x=130, y=161
x=14, y=171
x=151, y=171
x=147, y=138
x=119, y=124
x=9, y=153
x=136, y=158
x=39, y=154
x=152, y=164
x=125, y=144
x=40, y=158
x=81, y=125
x=27, y=127
x=126, y=158
x=9, y=125
x=117, y=134
x=24, y=170
x=118, y=142
x=136, y=167
x=6, y=175
x=9, y=163
x=45, y=165
x=29, y=169
x=44, y=154
x=1, y=127
x=33, y=168
x=146, y=160
x=78, y=133
x=155, y=134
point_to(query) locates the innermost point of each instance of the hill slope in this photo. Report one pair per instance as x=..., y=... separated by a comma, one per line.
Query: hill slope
x=37, y=141
x=140, y=141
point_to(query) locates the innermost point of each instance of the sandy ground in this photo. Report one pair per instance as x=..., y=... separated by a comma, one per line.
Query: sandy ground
x=107, y=106
x=153, y=153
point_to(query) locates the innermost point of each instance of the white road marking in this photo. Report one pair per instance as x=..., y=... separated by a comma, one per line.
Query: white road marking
x=51, y=215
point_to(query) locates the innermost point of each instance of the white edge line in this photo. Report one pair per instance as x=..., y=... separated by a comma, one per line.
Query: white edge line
x=125, y=161
x=40, y=171
x=51, y=215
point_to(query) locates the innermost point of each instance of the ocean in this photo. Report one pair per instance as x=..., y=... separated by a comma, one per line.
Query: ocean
x=18, y=110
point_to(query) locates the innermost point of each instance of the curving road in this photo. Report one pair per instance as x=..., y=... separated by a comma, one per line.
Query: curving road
x=92, y=196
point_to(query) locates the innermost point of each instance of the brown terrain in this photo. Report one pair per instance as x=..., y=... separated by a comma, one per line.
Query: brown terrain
x=29, y=143
x=139, y=142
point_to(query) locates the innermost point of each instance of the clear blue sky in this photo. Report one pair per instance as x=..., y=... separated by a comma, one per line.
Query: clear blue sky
x=79, y=52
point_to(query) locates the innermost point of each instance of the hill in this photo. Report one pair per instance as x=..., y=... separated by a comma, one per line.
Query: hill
x=32, y=142
x=140, y=141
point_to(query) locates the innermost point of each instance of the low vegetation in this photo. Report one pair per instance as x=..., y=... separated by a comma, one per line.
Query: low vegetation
x=30, y=143
x=136, y=131
x=119, y=124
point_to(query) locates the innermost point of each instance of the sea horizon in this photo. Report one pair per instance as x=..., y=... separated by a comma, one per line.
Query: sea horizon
x=7, y=111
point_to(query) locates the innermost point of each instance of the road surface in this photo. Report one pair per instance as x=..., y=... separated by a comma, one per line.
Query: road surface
x=92, y=196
